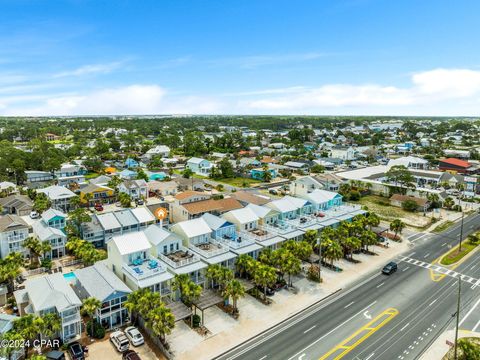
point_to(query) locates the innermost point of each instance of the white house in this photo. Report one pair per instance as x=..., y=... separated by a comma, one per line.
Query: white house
x=130, y=259
x=13, y=232
x=346, y=153
x=161, y=150
x=52, y=293
x=60, y=197
x=51, y=228
x=135, y=188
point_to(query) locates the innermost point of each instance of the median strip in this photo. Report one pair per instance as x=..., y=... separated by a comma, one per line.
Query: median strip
x=362, y=334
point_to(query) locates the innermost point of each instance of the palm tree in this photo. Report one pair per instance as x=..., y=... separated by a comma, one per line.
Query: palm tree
x=331, y=250
x=372, y=220
x=189, y=291
x=51, y=326
x=161, y=321
x=13, y=338
x=397, y=226
x=37, y=248
x=10, y=269
x=88, y=197
x=368, y=238
x=265, y=276
x=267, y=256
x=448, y=203
x=267, y=175
x=29, y=327
x=235, y=290
x=289, y=264
x=213, y=274
x=75, y=201
x=132, y=303
x=311, y=237
x=90, y=306
x=350, y=244
x=242, y=263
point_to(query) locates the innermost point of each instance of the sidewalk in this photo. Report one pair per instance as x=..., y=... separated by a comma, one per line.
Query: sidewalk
x=255, y=317
x=440, y=348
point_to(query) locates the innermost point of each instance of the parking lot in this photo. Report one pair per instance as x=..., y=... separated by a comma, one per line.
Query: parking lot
x=103, y=349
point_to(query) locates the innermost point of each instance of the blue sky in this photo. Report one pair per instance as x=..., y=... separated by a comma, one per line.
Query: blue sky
x=239, y=57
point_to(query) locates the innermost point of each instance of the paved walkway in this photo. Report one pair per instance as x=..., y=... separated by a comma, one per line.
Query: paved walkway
x=256, y=317
x=439, y=348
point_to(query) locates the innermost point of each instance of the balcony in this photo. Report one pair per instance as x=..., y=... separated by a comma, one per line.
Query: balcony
x=303, y=221
x=141, y=269
x=240, y=241
x=281, y=227
x=179, y=258
x=209, y=249
x=71, y=318
x=15, y=238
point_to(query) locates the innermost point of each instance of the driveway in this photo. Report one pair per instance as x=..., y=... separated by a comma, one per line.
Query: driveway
x=103, y=349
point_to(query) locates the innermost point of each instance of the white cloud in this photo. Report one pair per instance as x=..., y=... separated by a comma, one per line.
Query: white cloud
x=129, y=100
x=434, y=92
x=90, y=69
x=255, y=61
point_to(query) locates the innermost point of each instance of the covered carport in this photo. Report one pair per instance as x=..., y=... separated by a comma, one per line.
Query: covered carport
x=180, y=311
x=206, y=300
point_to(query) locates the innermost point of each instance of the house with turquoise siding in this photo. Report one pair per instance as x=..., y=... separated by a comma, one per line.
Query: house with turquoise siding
x=199, y=166
x=323, y=199
x=51, y=228
x=259, y=173
x=131, y=163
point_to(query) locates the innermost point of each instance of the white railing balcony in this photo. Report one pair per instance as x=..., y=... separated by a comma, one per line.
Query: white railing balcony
x=260, y=233
x=209, y=249
x=18, y=237
x=179, y=258
x=281, y=227
x=71, y=318
x=147, y=268
x=303, y=221
x=240, y=241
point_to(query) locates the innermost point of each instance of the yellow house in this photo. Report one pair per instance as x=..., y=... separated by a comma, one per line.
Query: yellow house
x=97, y=194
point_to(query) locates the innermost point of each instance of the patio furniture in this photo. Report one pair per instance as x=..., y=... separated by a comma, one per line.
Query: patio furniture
x=152, y=264
x=138, y=271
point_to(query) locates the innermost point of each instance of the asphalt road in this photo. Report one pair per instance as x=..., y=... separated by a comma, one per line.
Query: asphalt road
x=381, y=317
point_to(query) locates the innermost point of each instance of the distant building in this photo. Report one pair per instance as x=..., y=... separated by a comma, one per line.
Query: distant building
x=199, y=166
x=457, y=165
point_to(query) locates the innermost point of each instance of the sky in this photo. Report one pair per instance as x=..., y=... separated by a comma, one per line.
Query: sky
x=306, y=57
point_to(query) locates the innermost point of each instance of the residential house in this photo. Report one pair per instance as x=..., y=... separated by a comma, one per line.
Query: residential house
x=304, y=185
x=259, y=173
x=137, y=189
x=159, y=150
x=59, y=196
x=162, y=188
x=398, y=200
x=189, y=184
x=52, y=294
x=100, y=282
x=127, y=174
x=15, y=204
x=96, y=194
x=199, y=166
x=297, y=165
x=195, y=209
x=197, y=236
x=131, y=163
x=36, y=179
x=345, y=153
x=101, y=180
x=129, y=257
x=249, y=197
x=323, y=199
x=13, y=232
x=225, y=232
x=70, y=174
x=51, y=137
x=168, y=247
x=8, y=188
x=51, y=228
x=410, y=162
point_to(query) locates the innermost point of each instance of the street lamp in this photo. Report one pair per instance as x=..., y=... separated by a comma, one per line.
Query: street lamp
x=319, y=258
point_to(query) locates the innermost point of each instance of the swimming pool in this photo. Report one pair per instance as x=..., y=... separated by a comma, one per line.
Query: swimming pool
x=70, y=277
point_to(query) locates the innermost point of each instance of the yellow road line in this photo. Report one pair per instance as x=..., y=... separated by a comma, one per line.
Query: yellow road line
x=439, y=277
x=361, y=334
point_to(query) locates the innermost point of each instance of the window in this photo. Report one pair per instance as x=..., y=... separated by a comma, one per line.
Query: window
x=165, y=249
x=171, y=247
x=177, y=247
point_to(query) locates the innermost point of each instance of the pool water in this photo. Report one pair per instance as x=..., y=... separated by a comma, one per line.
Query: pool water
x=70, y=277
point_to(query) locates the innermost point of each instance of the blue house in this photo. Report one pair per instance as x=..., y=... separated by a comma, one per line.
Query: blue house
x=323, y=199
x=55, y=219
x=221, y=228
x=127, y=174
x=259, y=173
x=101, y=283
x=131, y=163
x=199, y=166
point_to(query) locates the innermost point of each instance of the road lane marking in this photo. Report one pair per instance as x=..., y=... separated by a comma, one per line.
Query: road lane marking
x=380, y=285
x=301, y=356
x=313, y=327
x=369, y=356
x=408, y=267
x=476, y=326
x=362, y=334
x=263, y=357
x=468, y=313
x=331, y=331
x=433, y=302
x=444, y=244
x=406, y=325
x=427, y=255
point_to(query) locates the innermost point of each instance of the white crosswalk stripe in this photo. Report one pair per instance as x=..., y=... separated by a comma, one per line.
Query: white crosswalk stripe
x=442, y=270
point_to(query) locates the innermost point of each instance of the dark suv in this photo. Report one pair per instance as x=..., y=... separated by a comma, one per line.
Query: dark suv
x=76, y=351
x=390, y=268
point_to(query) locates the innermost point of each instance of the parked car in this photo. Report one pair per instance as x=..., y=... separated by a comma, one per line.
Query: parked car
x=135, y=337
x=130, y=355
x=55, y=355
x=75, y=351
x=98, y=207
x=390, y=268
x=34, y=215
x=273, y=192
x=120, y=341
x=139, y=201
x=270, y=291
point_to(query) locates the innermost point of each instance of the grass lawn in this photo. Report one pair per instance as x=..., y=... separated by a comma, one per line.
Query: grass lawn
x=195, y=176
x=92, y=175
x=455, y=255
x=381, y=206
x=238, y=181
x=443, y=226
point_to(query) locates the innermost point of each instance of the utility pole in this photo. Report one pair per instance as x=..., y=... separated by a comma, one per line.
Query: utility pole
x=319, y=258
x=461, y=233
x=458, y=317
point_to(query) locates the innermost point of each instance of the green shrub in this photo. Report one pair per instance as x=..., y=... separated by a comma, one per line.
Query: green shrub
x=46, y=263
x=354, y=195
x=98, y=330
x=409, y=205
x=196, y=320
x=313, y=273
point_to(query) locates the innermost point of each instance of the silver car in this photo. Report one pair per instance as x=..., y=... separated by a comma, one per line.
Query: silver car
x=120, y=341
x=135, y=337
